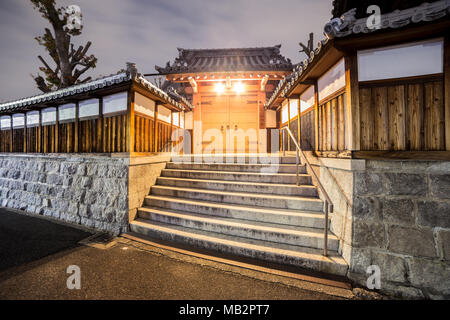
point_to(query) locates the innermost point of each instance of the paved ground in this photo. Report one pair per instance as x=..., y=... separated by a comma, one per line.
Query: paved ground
x=37, y=253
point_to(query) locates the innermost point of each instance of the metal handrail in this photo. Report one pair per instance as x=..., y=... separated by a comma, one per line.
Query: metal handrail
x=328, y=204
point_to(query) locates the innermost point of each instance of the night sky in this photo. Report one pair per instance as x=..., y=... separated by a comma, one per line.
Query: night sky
x=148, y=32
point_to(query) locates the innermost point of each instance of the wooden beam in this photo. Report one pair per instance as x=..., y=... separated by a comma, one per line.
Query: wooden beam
x=299, y=123
x=264, y=82
x=447, y=91
x=352, y=102
x=77, y=116
x=416, y=155
x=193, y=84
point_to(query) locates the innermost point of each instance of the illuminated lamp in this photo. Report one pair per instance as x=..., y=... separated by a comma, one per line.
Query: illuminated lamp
x=219, y=88
x=239, y=87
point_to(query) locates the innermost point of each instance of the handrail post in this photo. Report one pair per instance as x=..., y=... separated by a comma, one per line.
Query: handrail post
x=325, y=240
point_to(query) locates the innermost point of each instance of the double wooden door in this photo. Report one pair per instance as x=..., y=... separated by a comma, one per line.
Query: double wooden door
x=229, y=123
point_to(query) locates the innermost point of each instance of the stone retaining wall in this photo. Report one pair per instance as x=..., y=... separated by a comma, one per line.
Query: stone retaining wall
x=91, y=190
x=398, y=218
x=401, y=222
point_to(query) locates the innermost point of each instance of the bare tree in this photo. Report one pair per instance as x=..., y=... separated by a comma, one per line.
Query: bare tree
x=309, y=47
x=70, y=63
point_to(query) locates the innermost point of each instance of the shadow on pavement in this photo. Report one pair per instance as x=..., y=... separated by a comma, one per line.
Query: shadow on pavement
x=25, y=238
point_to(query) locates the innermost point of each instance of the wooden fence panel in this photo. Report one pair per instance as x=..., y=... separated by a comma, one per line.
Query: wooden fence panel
x=403, y=117
x=331, y=124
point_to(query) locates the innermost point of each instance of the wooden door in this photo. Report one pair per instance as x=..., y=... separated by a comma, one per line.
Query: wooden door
x=229, y=123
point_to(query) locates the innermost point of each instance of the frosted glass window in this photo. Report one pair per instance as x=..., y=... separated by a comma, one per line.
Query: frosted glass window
x=49, y=116
x=5, y=122
x=176, y=119
x=332, y=81
x=67, y=112
x=88, y=108
x=189, y=120
x=32, y=118
x=293, y=108
x=307, y=99
x=18, y=120
x=407, y=60
x=164, y=114
x=284, y=114
x=144, y=105
x=115, y=103
x=182, y=120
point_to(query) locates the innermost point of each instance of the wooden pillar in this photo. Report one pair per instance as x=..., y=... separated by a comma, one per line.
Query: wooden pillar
x=289, y=125
x=155, y=133
x=100, y=143
x=25, y=147
x=316, y=116
x=77, y=116
x=130, y=121
x=447, y=91
x=299, y=123
x=352, y=102
x=57, y=131
x=39, y=137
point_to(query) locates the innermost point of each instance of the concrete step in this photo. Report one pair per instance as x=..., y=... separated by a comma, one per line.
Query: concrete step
x=236, y=167
x=255, y=199
x=225, y=210
x=240, y=186
x=301, y=236
x=304, y=257
x=233, y=158
x=281, y=178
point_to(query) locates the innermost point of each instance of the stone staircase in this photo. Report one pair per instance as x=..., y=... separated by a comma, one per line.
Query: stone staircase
x=248, y=209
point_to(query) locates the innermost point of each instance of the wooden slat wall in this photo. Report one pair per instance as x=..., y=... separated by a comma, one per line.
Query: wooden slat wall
x=307, y=129
x=5, y=140
x=144, y=133
x=403, y=117
x=331, y=124
x=101, y=135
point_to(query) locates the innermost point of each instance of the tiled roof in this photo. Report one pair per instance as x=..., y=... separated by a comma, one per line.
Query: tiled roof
x=348, y=24
x=69, y=91
x=223, y=60
x=104, y=82
x=286, y=84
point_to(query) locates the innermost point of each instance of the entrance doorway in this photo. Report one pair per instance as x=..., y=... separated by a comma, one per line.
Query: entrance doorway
x=229, y=123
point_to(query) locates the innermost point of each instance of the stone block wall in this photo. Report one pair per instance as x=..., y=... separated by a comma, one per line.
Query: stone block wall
x=394, y=214
x=90, y=190
x=401, y=222
x=143, y=173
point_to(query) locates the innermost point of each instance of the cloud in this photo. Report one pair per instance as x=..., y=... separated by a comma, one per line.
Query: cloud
x=148, y=32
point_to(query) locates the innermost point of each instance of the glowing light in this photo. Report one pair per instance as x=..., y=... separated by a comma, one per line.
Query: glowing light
x=219, y=88
x=239, y=87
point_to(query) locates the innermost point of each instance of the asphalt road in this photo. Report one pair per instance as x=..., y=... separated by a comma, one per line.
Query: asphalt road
x=36, y=253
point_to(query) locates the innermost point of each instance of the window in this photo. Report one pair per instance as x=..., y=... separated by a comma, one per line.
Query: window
x=284, y=113
x=332, y=81
x=67, y=112
x=406, y=60
x=18, y=120
x=5, y=122
x=49, y=116
x=182, y=120
x=88, y=108
x=144, y=105
x=307, y=99
x=176, y=119
x=32, y=118
x=293, y=108
x=115, y=103
x=164, y=114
